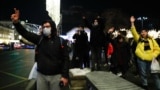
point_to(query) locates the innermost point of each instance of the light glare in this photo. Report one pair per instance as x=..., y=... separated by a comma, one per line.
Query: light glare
x=53, y=8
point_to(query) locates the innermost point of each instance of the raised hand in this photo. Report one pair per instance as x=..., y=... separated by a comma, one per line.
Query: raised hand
x=15, y=16
x=132, y=19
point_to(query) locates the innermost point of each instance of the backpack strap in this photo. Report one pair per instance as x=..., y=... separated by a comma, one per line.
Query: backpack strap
x=40, y=40
x=36, y=49
x=61, y=42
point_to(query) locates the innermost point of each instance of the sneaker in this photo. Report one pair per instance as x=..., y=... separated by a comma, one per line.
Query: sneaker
x=105, y=65
x=119, y=74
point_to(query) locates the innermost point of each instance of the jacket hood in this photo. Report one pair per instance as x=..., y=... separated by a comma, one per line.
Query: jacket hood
x=53, y=27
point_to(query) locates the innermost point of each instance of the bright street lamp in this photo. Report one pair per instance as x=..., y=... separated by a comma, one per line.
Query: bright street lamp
x=142, y=20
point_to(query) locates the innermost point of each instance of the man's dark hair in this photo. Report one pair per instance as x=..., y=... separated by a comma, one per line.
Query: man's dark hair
x=81, y=25
x=144, y=28
x=53, y=26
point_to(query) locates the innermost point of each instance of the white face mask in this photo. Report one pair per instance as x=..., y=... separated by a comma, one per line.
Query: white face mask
x=47, y=31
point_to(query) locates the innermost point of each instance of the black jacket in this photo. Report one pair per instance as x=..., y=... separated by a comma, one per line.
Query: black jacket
x=97, y=36
x=52, y=55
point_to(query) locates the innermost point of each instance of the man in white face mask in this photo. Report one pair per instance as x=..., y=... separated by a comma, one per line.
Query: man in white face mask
x=46, y=29
x=51, y=55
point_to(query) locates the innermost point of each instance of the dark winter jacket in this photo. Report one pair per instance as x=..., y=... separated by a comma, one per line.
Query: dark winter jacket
x=97, y=36
x=52, y=56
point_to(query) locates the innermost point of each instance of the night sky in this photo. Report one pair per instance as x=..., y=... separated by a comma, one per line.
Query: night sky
x=34, y=10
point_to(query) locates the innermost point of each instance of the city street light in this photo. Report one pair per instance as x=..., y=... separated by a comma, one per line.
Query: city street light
x=142, y=20
x=19, y=37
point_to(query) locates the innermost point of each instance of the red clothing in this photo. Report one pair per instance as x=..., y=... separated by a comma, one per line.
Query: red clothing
x=110, y=49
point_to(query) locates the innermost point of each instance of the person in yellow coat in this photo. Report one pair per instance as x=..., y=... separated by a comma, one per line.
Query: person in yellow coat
x=147, y=49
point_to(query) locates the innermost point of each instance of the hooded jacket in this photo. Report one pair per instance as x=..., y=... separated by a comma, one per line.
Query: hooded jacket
x=147, y=55
x=52, y=58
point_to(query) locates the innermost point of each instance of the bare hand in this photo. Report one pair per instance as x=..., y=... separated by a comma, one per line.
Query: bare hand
x=132, y=19
x=65, y=81
x=15, y=16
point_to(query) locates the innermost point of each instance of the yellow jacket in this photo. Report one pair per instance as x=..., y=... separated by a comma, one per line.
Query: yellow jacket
x=147, y=55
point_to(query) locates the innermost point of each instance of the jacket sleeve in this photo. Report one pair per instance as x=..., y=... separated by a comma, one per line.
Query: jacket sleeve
x=65, y=55
x=34, y=38
x=135, y=33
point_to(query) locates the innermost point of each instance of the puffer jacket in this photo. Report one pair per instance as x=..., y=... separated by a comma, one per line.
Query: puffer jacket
x=147, y=55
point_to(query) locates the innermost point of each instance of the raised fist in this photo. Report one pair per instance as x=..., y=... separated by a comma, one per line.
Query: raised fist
x=15, y=16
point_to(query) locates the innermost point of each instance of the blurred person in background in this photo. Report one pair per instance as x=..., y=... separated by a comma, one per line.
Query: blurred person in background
x=82, y=47
x=97, y=41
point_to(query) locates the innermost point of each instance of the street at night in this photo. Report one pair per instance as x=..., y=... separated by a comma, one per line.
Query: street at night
x=15, y=68
x=17, y=64
x=90, y=66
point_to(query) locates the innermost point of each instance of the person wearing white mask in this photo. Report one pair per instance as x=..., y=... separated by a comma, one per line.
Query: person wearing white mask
x=51, y=55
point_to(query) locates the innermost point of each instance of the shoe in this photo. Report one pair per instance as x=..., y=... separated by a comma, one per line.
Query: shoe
x=105, y=65
x=136, y=76
x=145, y=87
x=119, y=74
x=123, y=76
x=92, y=69
x=81, y=68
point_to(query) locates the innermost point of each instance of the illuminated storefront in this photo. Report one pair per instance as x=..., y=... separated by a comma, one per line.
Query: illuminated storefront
x=6, y=35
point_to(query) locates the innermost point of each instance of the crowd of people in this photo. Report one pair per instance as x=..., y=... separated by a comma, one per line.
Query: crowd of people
x=119, y=52
x=52, y=53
